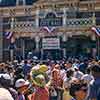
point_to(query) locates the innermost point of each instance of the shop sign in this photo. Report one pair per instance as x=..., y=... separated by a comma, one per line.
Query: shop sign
x=50, y=20
x=50, y=43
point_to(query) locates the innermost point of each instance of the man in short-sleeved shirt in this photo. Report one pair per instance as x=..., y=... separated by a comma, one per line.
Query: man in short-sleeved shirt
x=95, y=84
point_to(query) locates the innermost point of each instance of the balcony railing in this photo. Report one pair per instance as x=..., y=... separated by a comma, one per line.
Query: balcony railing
x=70, y=23
x=79, y=22
x=23, y=24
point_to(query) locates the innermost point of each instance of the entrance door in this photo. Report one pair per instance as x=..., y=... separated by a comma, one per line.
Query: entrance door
x=78, y=46
x=53, y=54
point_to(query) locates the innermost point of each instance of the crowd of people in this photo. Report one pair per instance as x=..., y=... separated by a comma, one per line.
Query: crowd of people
x=67, y=79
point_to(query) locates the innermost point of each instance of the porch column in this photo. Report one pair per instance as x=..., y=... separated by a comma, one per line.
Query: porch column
x=64, y=49
x=23, y=47
x=1, y=38
x=37, y=39
x=12, y=41
x=64, y=17
x=37, y=19
x=94, y=49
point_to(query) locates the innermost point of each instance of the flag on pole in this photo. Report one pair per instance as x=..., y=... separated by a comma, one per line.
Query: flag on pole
x=8, y=35
x=96, y=30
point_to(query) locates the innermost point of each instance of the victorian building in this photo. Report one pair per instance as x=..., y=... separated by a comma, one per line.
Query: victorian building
x=50, y=29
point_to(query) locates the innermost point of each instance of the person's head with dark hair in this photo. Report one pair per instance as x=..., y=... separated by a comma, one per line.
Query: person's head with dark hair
x=95, y=70
x=70, y=72
x=5, y=80
x=88, y=70
x=25, y=61
x=78, y=90
x=86, y=61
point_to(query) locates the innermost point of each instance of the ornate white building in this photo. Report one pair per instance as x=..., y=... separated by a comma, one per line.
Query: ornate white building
x=54, y=28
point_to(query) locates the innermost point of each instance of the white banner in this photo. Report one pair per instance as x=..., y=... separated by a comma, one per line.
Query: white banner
x=51, y=43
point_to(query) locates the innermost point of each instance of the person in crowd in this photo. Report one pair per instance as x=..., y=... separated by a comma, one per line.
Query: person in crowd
x=57, y=83
x=41, y=92
x=87, y=78
x=94, y=88
x=22, y=87
x=26, y=68
x=5, y=82
x=78, y=74
x=83, y=65
x=66, y=84
x=18, y=73
x=76, y=63
x=39, y=80
x=5, y=94
x=78, y=91
x=68, y=64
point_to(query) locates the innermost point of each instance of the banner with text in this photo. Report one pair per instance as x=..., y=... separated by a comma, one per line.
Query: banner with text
x=51, y=43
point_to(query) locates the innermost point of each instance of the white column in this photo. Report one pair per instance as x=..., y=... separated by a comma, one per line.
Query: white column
x=64, y=17
x=41, y=54
x=64, y=49
x=12, y=40
x=1, y=38
x=37, y=39
x=37, y=19
x=20, y=2
x=23, y=47
x=94, y=50
x=94, y=18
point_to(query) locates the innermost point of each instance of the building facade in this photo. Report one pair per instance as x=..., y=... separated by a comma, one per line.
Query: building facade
x=50, y=29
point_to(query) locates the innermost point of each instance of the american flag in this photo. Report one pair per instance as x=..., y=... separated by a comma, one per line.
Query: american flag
x=8, y=35
x=96, y=30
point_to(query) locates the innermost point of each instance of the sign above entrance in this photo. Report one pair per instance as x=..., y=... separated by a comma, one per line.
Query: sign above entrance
x=50, y=43
x=50, y=21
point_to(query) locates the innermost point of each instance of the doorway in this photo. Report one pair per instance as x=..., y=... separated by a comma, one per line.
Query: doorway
x=56, y=54
x=78, y=46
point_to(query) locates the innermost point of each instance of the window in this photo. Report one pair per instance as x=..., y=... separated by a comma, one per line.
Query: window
x=97, y=15
x=84, y=14
x=5, y=3
x=25, y=18
x=20, y=2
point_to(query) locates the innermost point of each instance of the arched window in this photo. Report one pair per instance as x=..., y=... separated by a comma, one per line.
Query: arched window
x=50, y=15
x=20, y=2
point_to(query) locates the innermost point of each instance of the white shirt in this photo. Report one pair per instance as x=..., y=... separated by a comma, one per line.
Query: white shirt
x=5, y=94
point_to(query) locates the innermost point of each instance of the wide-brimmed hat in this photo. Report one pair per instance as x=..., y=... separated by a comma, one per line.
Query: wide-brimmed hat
x=21, y=82
x=40, y=80
x=43, y=68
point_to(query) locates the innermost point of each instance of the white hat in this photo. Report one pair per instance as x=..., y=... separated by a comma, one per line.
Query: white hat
x=5, y=94
x=21, y=82
x=5, y=76
x=87, y=78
